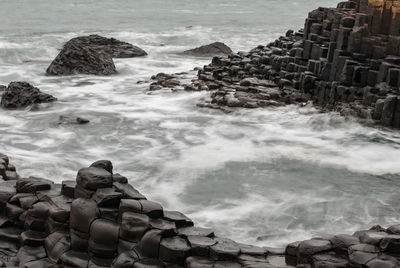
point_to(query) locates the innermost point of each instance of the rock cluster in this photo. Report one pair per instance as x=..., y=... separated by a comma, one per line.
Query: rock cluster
x=99, y=220
x=22, y=94
x=213, y=49
x=345, y=59
x=92, y=54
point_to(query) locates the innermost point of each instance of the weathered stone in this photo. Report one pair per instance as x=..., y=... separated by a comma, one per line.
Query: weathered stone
x=134, y=226
x=107, y=197
x=128, y=191
x=213, y=49
x=195, y=231
x=104, y=164
x=180, y=219
x=68, y=188
x=56, y=245
x=83, y=213
x=32, y=238
x=150, y=243
x=152, y=209
x=22, y=94
x=174, y=249
x=75, y=259
x=201, y=245
x=104, y=238
x=93, y=178
x=32, y=185
x=308, y=248
x=225, y=249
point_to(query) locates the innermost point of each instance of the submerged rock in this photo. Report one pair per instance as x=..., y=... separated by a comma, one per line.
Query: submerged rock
x=23, y=94
x=92, y=55
x=72, y=120
x=214, y=49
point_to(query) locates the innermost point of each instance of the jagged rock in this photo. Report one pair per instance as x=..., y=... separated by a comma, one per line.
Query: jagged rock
x=213, y=49
x=104, y=164
x=107, y=197
x=174, y=249
x=93, y=178
x=112, y=46
x=198, y=231
x=180, y=219
x=91, y=55
x=308, y=248
x=224, y=250
x=68, y=188
x=76, y=59
x=33, y=184
x=201, y=245
x=23, y=94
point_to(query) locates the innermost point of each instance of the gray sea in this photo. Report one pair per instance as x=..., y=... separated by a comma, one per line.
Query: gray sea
x=262, y=176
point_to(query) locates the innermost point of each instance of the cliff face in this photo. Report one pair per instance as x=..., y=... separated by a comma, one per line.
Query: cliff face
x=385, y=16
x=356, y=49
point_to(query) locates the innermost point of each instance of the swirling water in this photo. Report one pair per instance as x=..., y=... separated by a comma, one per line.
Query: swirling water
x=265, y=176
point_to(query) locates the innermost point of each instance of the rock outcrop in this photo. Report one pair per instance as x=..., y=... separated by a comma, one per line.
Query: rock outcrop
x=92, y=55
x=213, y=49
x=346, y=59
x=99, y=220
x=22, y=94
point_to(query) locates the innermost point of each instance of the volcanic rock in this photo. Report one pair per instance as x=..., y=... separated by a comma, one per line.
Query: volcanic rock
x=23, y=94
x=213, y=49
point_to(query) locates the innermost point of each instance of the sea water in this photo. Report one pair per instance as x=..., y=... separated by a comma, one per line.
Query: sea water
x=264, y=176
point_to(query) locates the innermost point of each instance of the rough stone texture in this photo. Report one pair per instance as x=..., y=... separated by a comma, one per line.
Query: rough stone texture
x=214, y=49
x=91, y=55
x=22, y=94
x=346, y=59
x=42, y=227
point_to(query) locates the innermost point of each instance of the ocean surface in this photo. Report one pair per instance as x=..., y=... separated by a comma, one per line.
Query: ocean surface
x=263, y=176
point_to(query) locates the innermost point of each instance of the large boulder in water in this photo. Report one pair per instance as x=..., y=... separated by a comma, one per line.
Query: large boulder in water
x=92, y=55
x=214, y=49
x=23, y=94
x=112, y=46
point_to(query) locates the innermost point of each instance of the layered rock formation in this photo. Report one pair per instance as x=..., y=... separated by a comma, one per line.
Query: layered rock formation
x=92, y=55
x=345, y=59
x=23, y=94
x=99, y=220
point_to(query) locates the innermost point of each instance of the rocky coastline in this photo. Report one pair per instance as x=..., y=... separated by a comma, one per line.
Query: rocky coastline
x=100, y=220
x=346, y=59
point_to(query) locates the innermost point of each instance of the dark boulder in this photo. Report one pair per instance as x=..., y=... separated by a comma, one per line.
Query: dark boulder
x=75, y=59
x=91, y=55
x=93, y=178
x=112, y=46
x=32, y=185
x=210, y=50
x=23, y=94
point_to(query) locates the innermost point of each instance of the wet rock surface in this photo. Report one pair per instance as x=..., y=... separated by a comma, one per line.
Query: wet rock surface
x=92, y=55
x=346, y=59
x=213, y=49
x=22, y=94
x=43, y=224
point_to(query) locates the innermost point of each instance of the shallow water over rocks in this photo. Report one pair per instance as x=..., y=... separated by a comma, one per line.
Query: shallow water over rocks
x=266, y=176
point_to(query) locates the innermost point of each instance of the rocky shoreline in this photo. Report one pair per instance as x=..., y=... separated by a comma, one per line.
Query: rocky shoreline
x=100, y=220
x=346, y=59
